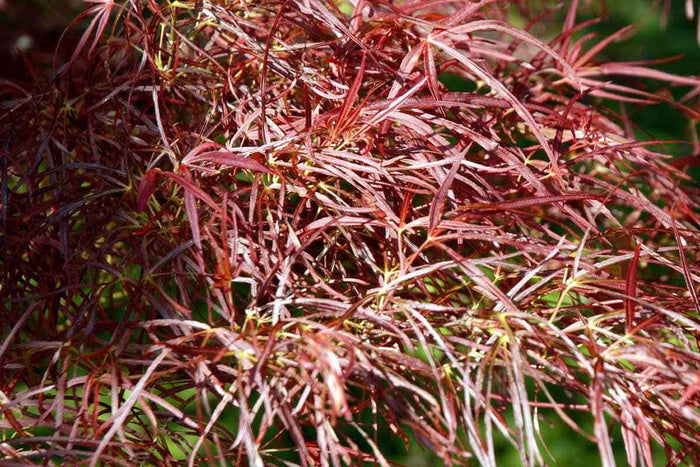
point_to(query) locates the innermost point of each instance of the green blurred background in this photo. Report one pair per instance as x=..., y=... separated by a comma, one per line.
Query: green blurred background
x=36, y=25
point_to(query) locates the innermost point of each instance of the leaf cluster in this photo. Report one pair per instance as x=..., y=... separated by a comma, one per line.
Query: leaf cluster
x=273, y=232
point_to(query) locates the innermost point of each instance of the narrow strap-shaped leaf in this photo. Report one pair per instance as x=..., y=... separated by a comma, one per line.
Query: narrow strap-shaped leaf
x=631, y=290
x=535, y=201
x=230, y=159
x=352, y=93
x=437, y=207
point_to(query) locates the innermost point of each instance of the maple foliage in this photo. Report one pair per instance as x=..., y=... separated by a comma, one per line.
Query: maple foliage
x=268, y=232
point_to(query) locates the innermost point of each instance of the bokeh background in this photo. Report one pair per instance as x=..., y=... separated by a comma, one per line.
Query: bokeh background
x=31, y=29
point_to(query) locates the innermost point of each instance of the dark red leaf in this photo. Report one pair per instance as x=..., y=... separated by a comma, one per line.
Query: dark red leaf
x=148, y=183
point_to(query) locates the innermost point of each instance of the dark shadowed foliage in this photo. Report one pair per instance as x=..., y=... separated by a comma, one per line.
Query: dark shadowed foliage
x=280, y=233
